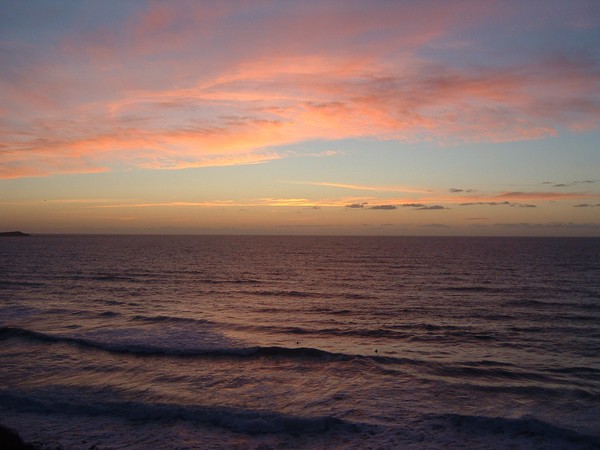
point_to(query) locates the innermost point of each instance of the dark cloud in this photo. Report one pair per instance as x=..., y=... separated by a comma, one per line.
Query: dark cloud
x=586, y=205
x=484, y=203
x=384, y=207
x=304, y=225
x=574, y=183
x=455, y=190
x=414, y=206
x=437, y=225
x=429, y=208
x=505, y=203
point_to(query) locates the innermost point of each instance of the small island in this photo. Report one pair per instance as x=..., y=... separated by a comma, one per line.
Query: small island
x=13, y=233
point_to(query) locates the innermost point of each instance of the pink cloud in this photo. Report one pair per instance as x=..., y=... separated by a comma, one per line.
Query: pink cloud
x=184, y=85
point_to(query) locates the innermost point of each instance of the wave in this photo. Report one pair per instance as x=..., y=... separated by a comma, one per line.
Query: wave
x=427, y=327
x=225, y=281
x=304, y=311
x=477, y=289
x=152, y=277
x=459, y=336
x=286, y=293
x=565, y=393
x=111, y=277
x=495, y=373
x=154, y=350
x=308, y=294
x=575, y=370
x=339, y=332
x=332, y=311
x=575, y=305
x=236, y=419
x=170, y=319
x=355, y=296
x=255, y=351
x=396, y=333
x=473, y=373
x=150, y=350
x=7, y=284
x=517, y=428
x=142, y=349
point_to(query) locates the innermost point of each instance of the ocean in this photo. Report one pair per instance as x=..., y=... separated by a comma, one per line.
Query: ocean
x=208, y=342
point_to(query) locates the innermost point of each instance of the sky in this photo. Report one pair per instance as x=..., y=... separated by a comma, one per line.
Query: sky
x=300, y=117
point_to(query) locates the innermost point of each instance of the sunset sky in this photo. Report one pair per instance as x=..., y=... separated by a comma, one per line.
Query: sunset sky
x=300, y=117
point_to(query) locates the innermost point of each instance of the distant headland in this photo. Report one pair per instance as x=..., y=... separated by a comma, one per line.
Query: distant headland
x=13, y=233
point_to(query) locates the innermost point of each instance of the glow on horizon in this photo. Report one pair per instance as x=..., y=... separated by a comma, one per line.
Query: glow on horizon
x=326, y=117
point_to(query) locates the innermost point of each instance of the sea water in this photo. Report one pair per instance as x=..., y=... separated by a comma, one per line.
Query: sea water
x=160, y=342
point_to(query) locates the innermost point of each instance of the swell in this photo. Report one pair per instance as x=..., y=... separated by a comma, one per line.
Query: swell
x=292, y=293
x=150, y=277
x=433, y=333
x=170, y=319
x=528, y=427
x=8, y=284
x=479, y=288
x=236, y=419
x=152, y=350
x=473, y=372
x=148, y=350
x=469, y=371
x=566, y=393
x=569, y=306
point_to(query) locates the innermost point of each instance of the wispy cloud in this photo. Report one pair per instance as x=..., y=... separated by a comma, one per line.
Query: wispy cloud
x=204, y=86
x=275, y=202
x=206, y=204
x=362, y=187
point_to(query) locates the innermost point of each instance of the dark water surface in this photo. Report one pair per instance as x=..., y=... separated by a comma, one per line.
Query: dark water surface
x=317, y=342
